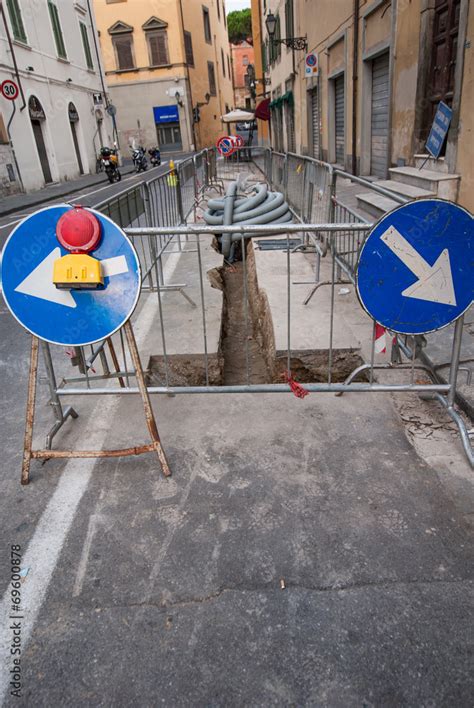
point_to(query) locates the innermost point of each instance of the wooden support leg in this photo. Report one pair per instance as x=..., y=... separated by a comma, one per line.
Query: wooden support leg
x=149, y=415
x=30, y=411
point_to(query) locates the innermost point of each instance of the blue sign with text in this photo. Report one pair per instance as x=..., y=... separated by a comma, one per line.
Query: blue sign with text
x=439, y=129
x=64, y=316
x=166, y=114
x=416, y=269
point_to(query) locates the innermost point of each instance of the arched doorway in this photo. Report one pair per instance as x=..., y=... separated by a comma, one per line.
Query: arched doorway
x=73, y=119
x=37, y=117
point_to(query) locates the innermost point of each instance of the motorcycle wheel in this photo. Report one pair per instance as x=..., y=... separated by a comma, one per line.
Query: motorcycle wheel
x=119, y=176
x=110, y=176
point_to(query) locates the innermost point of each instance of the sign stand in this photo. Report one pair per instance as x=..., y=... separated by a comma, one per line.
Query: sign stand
x=47, y=454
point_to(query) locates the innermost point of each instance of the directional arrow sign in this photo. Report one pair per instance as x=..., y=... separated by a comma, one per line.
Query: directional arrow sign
x=434, y=282
x=60, y=316
x=416, y=269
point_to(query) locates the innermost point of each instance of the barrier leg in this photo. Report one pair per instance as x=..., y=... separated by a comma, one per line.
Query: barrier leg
x=149, y=415
x=30, y=411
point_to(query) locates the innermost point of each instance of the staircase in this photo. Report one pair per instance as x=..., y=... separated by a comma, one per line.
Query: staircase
x=431, y=180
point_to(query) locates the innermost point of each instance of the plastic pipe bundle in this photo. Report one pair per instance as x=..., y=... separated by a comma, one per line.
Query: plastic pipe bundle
x=262, y=207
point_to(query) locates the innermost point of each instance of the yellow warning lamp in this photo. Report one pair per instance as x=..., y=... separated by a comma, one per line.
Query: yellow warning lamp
x=78, y=231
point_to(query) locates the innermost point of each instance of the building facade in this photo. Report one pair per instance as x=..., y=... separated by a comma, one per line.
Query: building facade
x=243, y=70
x=60, y=122
x=383, y=69
x=168, y=70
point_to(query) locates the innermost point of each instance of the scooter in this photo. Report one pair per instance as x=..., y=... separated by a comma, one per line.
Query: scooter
x=109, y=162
x=155, y=156
x=139, y=159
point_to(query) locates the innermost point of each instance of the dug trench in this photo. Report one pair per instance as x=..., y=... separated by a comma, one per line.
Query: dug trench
x=247, y=352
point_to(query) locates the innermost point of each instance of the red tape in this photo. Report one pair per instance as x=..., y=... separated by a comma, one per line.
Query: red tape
x=298, y=390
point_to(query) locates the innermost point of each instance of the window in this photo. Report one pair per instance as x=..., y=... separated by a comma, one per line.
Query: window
x=207, y=25
x=223, y=62
x=158, y=48
x=86, y=45
x=289, y=24
x=212, y=78
x=124, y=52
x=16, y=20
x=245, y=60
x=223, y=12
x=188, y=48
x=274, y=47
x=57, y=31
x=228, y=66
x=218, y=10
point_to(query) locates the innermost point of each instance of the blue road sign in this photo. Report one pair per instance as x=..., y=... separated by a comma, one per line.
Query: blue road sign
x=67, y=317
x=439, y=129
x=416, y=269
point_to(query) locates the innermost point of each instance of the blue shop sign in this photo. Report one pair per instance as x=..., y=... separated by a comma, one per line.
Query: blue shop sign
x=439, y=129
x=166, y=114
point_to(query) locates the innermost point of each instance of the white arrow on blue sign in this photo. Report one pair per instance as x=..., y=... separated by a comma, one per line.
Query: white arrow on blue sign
x=416, y=268
x=68, y=317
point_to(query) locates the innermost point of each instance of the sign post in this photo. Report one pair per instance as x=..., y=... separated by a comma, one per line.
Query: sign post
x=9, y=90
x=76, y=309
x=439, y=129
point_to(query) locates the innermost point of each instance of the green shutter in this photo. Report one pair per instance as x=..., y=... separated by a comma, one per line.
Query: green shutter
x=87, y=49
x=17, y=21
x=58, y=35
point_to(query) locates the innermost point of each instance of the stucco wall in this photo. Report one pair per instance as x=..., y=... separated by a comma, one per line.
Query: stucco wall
x=465, y=150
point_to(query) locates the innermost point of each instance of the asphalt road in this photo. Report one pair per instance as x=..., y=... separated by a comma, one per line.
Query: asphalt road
x=302, y=553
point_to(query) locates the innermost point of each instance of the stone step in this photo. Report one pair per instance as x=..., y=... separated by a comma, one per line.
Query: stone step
x=405, y=190
x=443, y=185
x=438, y=165
x=375, y=204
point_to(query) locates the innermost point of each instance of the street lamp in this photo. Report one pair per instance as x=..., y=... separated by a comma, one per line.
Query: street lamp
x=298, y=43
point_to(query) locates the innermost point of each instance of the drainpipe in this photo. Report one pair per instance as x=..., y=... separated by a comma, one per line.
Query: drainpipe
x=10, y=44
x=188, y=79
x=99, y=65
x=355, y=62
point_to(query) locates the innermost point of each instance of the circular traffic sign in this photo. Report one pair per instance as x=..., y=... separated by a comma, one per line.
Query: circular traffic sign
x=415, y=269
x=225, y=145
x=239, y=141
x=9, y=90
x=63, y=316
x=311, y=60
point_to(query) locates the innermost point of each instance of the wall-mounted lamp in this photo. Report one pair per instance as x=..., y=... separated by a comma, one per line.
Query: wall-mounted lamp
x=69, y=81
x=298, y=43
x=178, y=99
x=30, y=68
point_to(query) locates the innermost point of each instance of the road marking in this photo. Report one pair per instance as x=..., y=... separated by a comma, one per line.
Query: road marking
x=45, y=546
x=434, y=282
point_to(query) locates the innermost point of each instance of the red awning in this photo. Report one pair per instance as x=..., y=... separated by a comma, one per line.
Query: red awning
x=263, y=110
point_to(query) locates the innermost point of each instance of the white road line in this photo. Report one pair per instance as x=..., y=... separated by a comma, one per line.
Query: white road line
x=44, y=549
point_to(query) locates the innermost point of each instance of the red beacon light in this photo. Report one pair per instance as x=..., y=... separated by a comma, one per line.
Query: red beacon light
x=79, y=232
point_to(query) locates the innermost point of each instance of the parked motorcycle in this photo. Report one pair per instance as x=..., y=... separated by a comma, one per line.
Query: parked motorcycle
x=139, y=159
x=109, y=162
x=155, y=156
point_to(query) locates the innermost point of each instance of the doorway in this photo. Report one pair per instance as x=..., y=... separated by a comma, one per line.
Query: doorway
x=37, y=117
x=169, y=136
x=440, y=84
x=73, y=120
x=339, y=119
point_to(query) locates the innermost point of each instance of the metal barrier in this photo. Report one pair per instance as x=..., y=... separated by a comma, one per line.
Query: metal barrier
x=154, y=216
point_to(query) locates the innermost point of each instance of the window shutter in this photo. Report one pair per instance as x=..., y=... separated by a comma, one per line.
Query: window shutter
x=212, y=78
x=16, y=19
x=158, y=48
x=58, y=35
x=188, y=47
x=123, y=46
x=86, y=45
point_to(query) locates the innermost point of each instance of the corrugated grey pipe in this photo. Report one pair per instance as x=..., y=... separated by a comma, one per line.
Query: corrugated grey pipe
x=264, y=207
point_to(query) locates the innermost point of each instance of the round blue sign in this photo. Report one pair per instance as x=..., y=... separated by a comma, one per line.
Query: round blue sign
x=415, y=271
x=68, y=316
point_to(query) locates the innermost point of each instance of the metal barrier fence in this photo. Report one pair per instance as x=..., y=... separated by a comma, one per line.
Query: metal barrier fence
x=154, y=216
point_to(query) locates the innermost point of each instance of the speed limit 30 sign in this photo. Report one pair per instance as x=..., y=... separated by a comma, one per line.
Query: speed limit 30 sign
x=9, y=90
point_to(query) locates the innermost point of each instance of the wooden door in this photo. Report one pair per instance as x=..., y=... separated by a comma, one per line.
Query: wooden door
x=440, y=85
x=41, y=147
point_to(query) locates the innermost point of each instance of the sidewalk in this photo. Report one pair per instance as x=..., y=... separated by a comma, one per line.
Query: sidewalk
x=17, y=202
